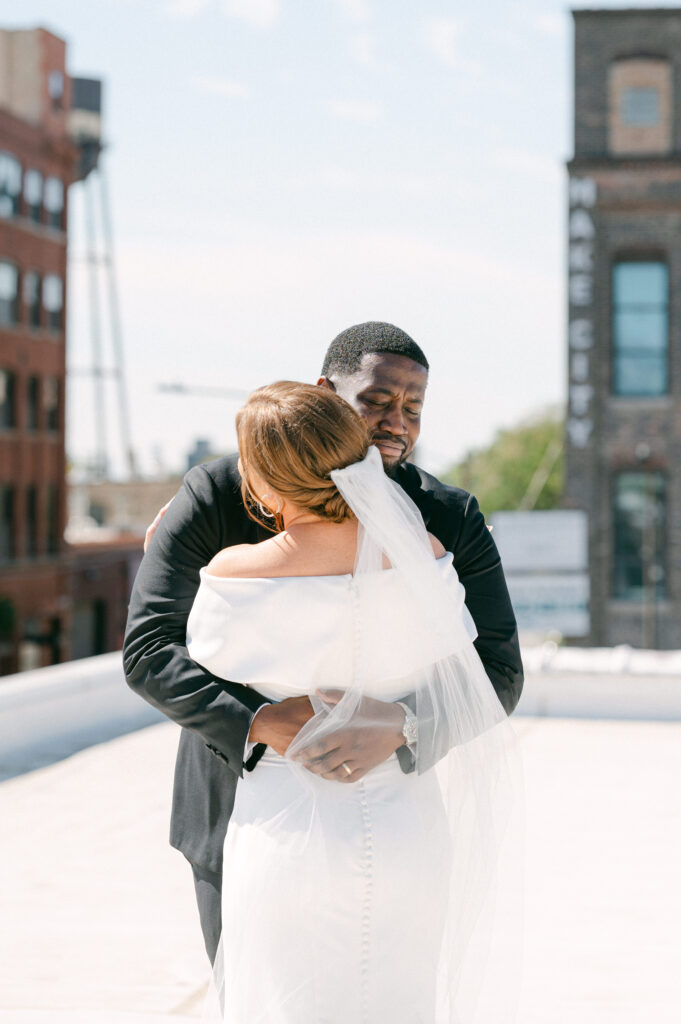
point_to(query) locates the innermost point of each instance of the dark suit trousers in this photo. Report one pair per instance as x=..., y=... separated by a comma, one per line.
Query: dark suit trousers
x=208, y=888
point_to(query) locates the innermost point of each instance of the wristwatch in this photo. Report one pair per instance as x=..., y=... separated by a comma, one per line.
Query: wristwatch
x=410, y=727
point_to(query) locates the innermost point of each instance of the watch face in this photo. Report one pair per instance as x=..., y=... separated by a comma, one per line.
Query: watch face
x=410, y=729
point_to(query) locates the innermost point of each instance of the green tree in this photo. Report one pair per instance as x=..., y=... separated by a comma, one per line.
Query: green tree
x=521, y=468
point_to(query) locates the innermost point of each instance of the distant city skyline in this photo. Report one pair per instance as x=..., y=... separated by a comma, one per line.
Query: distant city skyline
x=281, y=170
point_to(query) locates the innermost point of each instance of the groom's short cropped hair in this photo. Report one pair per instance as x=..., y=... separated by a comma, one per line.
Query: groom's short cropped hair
x=344, y=354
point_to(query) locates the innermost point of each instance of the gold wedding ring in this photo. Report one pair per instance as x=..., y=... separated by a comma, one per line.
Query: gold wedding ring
x=347, y=768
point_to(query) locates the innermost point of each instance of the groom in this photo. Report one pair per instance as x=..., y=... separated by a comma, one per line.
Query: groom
x=383, y=374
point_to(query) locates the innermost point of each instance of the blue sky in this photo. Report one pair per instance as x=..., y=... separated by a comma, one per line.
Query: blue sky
x=281, y=169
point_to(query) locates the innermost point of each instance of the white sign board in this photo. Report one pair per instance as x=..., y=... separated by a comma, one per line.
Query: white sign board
x=545, y=560
x=546, y=604
x=547, y=541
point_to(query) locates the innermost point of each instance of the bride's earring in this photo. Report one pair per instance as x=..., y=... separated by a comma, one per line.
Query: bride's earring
x=265, y=511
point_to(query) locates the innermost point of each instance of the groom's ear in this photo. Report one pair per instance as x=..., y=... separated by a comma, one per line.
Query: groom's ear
x=324, y=382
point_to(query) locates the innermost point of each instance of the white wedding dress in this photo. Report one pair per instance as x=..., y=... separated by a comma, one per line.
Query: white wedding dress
x=358, y=903
x=380, y=875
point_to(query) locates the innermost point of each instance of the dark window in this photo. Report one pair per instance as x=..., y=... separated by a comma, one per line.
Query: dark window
x=31, y=293
x=32, y=403
x=51, y=399
x=88, y=636
x=53, y=301
x=9, y=293
x=6, y=523
x=97, y=512
x=10, y=185
x=6, y=400
x=52, y=519
x=53, y=201
x=31, y=521
x=33, y=194
x=55, y=87
x=639, y=535
x=640, y=329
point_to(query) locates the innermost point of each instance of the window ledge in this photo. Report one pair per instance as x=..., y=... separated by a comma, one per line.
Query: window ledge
x=623, y=604
x=33, y=333
x=24, y=563
x=654, y=401
x=26, y=434
x=32, y=226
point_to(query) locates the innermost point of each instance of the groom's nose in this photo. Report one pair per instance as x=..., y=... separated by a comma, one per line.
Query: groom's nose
x=393, y=421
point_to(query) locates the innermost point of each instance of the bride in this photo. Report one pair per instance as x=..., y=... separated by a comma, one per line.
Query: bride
x=351, y=898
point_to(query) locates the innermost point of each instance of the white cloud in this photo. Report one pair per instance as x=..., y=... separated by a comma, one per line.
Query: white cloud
x=223, y=87
x=212, y=292
x=440, y=35
x=205, y=268
x=361, y=111
x=186, y=8
x=356, y=10
x=259, y=13
x=351, y=179
x=362, y=49
x=537, y=166
x=551, y=23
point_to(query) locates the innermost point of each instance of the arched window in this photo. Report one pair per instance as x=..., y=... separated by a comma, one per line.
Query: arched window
x=33, y=194
x=51, y=403
x=32, y=403
x=640, y=106
x=7, y=410
x=52, y=519
x=10, y=185
x=640, y=328
x=53, y=198
x=53, y=300
x=31, y=293
x=31, y=520
x=9, y=289
x=7, y=523
x=639, y=542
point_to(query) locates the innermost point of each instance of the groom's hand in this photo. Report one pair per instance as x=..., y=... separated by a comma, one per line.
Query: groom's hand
x=277, y=724
x=369, y=738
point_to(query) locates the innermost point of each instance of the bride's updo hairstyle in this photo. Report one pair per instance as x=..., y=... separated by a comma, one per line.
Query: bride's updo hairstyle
x=291, y=436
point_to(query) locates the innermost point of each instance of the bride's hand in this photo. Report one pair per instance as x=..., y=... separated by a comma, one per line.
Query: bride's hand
x=372, y=735
x=151, y=529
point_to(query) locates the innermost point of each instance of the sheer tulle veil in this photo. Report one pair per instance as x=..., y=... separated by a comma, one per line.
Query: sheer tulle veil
x=464, y=736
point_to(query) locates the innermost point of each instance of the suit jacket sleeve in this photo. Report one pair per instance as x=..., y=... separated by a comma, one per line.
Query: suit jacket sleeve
x=477, y=561
x=157, y=665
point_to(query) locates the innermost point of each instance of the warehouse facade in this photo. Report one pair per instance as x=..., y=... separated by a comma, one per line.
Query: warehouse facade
x=623, y=433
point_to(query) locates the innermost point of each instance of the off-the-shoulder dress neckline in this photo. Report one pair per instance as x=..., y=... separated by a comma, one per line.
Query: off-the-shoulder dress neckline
x=203, y=573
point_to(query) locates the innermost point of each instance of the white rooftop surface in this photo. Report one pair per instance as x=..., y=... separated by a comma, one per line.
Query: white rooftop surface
x=99, y=923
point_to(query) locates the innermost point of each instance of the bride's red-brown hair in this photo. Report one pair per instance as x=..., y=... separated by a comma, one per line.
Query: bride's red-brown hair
x=291, y=436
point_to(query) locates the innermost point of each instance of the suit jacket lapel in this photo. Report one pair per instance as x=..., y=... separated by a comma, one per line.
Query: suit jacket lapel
x=408, y=476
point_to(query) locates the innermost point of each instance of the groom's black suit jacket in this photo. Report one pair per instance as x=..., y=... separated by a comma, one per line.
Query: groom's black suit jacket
x=206, y=515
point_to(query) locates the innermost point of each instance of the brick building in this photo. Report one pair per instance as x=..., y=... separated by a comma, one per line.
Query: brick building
x=119, y=506
x=102, y=574
x=38, y=161
x=623, y=439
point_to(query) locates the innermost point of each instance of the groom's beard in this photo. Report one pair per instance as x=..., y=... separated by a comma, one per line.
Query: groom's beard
x=391, y=463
